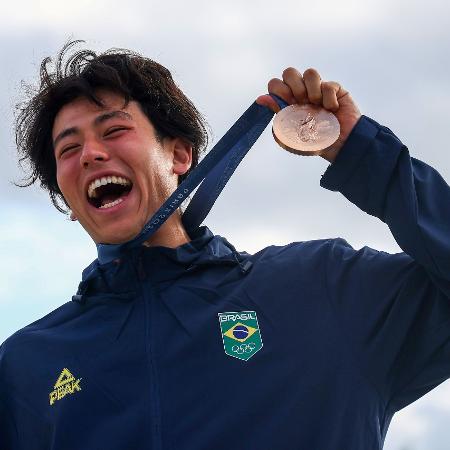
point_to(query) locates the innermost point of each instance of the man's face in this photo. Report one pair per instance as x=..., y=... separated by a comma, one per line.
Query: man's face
x=112, y=170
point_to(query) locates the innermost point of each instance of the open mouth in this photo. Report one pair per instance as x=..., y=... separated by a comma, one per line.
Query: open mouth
x=106, y=192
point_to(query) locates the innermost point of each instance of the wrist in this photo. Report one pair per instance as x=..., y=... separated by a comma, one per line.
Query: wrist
x=332, y=152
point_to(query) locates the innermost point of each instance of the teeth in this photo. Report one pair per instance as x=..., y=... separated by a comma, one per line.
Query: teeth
x=110, y=205
x=103, y=181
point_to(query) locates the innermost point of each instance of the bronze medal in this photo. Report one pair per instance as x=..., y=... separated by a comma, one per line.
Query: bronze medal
x=305, y=129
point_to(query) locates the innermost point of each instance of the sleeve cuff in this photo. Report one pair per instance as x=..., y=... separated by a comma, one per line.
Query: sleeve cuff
x=351, y=154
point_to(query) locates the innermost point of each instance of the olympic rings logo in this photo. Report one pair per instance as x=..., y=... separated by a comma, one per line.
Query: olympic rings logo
x=243, y=348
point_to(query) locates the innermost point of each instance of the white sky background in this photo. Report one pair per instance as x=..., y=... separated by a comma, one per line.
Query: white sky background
x=392, y=57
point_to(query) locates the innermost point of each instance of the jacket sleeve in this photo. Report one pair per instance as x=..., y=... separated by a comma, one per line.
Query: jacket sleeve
x=394, y=310
x=20, y=427
x=8, y=429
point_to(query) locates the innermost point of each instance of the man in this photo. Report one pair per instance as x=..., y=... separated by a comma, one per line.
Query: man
x=185, y=343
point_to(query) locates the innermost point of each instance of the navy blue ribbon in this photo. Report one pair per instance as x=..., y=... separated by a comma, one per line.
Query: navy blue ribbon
x=213, y=172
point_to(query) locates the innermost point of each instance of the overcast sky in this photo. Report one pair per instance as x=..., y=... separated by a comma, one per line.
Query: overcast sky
x=391, y=56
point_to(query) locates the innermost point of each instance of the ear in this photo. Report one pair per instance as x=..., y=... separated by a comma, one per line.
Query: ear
x=182, y=156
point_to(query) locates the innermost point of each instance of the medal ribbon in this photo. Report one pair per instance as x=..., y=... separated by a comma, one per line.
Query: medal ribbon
x=213, y=172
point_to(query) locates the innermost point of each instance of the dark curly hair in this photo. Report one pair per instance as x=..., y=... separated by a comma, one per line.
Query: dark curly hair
x=81, y=74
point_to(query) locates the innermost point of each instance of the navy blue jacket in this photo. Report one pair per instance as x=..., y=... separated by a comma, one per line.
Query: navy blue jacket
x=136, y=360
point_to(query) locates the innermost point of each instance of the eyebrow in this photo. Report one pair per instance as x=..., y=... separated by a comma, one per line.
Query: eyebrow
x=97, y=121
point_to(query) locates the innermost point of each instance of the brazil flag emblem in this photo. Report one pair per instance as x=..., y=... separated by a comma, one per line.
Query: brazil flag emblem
x=240, y=334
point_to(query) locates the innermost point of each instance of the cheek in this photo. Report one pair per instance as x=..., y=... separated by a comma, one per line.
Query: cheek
x=60, y=179
x=61, y=176
x=66, y=177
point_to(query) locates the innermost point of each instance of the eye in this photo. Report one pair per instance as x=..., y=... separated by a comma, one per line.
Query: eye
x=115, y=130
x=69, y=147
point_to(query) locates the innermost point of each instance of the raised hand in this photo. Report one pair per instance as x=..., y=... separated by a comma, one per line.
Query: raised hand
x=309, y=88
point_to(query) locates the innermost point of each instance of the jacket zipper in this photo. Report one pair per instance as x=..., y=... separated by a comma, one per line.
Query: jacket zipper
x=154, y=406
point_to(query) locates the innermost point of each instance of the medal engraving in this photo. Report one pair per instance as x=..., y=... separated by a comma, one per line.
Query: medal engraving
x=305, y=129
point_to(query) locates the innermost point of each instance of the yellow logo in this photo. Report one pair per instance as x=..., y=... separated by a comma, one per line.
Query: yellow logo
x=240, y=332
x=65, y=384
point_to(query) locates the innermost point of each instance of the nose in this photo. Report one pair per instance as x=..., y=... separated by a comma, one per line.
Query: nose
x=93, y=152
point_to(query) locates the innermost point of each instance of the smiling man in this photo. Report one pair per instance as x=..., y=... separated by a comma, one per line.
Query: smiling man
x=115, y=171
x=184, y=343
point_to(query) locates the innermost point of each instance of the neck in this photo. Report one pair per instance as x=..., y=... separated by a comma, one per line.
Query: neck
x=172, y=234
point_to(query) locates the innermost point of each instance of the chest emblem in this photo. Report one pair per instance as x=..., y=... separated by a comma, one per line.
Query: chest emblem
x=240, y=334
x=65, y=384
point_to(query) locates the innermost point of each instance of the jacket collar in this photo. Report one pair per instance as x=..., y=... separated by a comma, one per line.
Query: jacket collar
x=159, y=263
x=203, y=247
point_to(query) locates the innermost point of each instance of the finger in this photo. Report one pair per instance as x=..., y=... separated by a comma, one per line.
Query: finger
x=293, y=78
x=278, y=87
x=312, y=82
x=330, y=91
x=269, y=102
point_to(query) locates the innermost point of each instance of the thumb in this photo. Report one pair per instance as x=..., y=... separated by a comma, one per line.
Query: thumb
x=269, y=102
